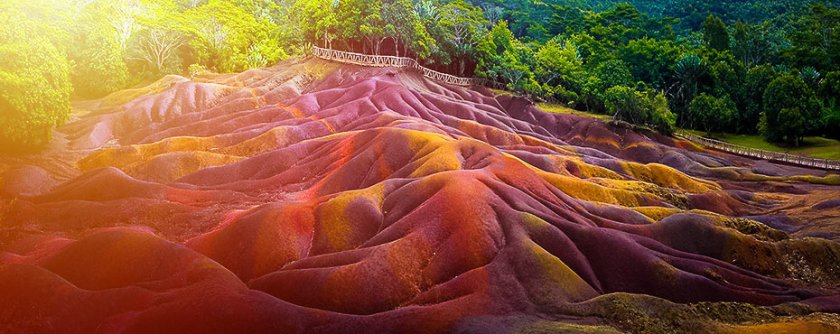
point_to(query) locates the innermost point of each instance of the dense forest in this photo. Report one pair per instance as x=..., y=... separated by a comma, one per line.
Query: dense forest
x=769, y=67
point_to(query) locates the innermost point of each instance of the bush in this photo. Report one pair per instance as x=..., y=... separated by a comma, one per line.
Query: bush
x=662, y=119
x=35, y=86
x=640, y=107
x=197, y=70
x=561, y=94
x=622, y=102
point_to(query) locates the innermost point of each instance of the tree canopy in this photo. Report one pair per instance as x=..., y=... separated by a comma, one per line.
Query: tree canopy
x=709, y=60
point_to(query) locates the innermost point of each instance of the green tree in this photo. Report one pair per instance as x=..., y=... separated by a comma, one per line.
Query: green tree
x=755, y=83
x=559, y=68
x=122, y=16
x=606, y=75
x=691, y=75
x=35, y=83
x=97, y=58
x=233, y=36
x=811, y=77
x=727, y=75
x=662, y=119
x=431, y=15
x=793, y=124
x=319, y=21
x=153, y=50
x=649, y=59
x=623, y=103
x=715, y=34
x=156, y=51
x=830, y=87
x=829, y=91
x=789, y=92
x=408, y=28
x=816, y=40
x=465, y=23
x=516, y=71
x=831, y=120
x=373, y=28
x=752, y=45
x=491, y=49
x=713, y=113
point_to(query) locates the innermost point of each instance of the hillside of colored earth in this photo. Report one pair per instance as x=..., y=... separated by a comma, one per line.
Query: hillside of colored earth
x=312, y=197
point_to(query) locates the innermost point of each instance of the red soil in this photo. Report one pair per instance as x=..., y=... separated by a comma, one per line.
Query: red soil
x=315, y=198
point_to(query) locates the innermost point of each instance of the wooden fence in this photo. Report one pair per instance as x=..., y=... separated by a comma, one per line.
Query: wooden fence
x=391, y=61
x=762, y=154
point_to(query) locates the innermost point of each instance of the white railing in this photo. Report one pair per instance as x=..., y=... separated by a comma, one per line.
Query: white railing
x=762, y=154
x=391, y=61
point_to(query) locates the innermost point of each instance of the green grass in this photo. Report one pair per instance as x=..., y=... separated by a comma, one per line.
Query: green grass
x=561, y=109
x=500, y=92
x=816, y=147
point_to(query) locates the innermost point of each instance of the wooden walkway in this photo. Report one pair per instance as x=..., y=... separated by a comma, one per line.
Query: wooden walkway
x=400, y=62
x=792, y=159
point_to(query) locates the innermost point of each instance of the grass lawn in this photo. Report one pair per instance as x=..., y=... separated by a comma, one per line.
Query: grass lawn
x=816, y=147
x=561, y=109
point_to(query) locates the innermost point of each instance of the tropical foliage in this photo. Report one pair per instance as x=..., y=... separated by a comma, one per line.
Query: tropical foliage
x=735, y=66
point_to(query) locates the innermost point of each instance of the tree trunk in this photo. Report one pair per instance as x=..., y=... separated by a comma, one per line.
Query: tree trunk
x=462, y=66
x=377, y=49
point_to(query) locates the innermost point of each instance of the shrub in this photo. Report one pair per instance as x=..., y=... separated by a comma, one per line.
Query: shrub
x=561, y=94
x=662, y=119
x=197, y=70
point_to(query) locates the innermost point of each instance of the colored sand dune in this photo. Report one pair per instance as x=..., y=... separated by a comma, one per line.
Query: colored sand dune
x=313, y=197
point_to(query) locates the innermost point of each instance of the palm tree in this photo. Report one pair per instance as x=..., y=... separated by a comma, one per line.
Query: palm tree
x=689, y=74
x=811, y=76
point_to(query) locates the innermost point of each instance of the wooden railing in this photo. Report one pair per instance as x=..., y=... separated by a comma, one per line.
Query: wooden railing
x=762, y=154
x=391, y=61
